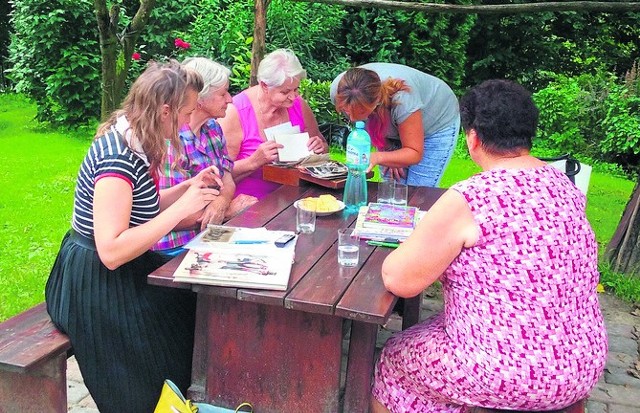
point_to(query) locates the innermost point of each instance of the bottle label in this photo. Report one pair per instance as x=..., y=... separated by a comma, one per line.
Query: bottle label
x=356, y=156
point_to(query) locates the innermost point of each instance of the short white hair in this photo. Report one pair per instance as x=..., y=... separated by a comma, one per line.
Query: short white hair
x=213, y=73
x=279, y=66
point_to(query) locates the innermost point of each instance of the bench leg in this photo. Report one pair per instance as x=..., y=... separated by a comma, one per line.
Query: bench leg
x=42, y=390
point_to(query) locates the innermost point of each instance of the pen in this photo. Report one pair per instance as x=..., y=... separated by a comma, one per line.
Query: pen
x=250, y=242
x=383, y=244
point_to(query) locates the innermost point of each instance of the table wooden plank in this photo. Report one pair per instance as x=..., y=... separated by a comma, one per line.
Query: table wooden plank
x=366, y=299
x=325, y=283
x=259, y=214
x=376, y=305
x=307, y=253
x=424, y=198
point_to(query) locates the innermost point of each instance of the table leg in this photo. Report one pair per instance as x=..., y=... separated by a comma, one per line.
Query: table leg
x=277, y=359
x=362, y=345
x=411, y=313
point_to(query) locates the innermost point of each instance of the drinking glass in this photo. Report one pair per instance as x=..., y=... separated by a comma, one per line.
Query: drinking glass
x=386, y=191
x=400, y=192
x=305, y=220
x=348, y=247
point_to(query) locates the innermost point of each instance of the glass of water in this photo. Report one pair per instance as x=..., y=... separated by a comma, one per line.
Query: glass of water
x=385, y=191
x=400, y=192
x=305, y=220
x=348, y=247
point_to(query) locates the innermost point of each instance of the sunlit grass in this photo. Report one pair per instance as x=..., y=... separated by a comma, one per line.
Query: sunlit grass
x=36, y=196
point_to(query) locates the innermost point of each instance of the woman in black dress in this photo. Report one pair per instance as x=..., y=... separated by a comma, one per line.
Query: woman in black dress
x=128, y=336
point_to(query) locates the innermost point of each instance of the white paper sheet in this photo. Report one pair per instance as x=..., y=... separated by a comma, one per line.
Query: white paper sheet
x=295, y=146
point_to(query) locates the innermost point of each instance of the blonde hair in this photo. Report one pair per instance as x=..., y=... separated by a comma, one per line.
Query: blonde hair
x=279, y=66
x=160, y=84
x=214, y=75
x=363, y=88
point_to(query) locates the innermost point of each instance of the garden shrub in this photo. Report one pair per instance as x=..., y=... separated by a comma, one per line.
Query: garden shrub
x=433, y=43
x=54, y=52
x=594, y=116
x=5, y=32
x=223, y=31
x=316, y=94
x=523, y=46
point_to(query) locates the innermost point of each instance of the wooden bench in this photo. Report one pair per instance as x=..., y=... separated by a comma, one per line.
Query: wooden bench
x=33, y=364
x=577, y=407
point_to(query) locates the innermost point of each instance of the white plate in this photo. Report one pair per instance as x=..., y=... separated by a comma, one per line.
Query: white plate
x=325, y=213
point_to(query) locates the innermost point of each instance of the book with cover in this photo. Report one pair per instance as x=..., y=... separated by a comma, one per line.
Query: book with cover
x=383, y=232
x=234, y=268
x=238, y=257
x=389, y=215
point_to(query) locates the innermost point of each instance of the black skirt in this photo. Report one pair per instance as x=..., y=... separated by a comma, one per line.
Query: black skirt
x=127, y=336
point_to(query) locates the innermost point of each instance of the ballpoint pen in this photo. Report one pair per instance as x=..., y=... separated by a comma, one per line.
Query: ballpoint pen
x=242, y=241
x=383, y=244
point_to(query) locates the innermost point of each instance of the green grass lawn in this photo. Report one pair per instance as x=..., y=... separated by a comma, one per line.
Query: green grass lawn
x=38, y=177
x=39, y=168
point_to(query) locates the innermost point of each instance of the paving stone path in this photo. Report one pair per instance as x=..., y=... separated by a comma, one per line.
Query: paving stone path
x=618, y=391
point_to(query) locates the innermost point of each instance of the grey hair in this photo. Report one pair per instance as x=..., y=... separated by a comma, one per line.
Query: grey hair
x=278, y=66
x=213, y=73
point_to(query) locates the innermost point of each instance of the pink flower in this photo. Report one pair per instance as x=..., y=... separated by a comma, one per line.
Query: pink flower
x=135, y=56
x=179, y=43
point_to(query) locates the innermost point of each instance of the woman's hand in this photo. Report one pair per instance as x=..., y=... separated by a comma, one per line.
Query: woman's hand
x=239, y=204
x=196, y=198
x=317, y=144
x=266, y=153
x=397, y=174
x=208, y=177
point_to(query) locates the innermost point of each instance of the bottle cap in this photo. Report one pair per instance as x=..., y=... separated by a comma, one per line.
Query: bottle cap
x=360, y=124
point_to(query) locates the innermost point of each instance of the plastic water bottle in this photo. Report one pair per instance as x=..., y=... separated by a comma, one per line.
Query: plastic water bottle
x=358, y=152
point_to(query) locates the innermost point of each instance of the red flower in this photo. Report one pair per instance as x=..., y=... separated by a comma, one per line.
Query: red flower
x=135, y=56
x=179, y=43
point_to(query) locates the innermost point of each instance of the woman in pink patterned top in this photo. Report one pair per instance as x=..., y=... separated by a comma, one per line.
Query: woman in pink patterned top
x=521, y=327
x=273, y=101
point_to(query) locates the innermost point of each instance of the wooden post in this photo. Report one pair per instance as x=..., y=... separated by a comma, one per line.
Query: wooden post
x=259, y=32
x=623, y=251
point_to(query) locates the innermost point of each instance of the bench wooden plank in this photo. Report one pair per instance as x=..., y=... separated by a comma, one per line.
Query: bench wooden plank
x=29, y=339
x=33, y=355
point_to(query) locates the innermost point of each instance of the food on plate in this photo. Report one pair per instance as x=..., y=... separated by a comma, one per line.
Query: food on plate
x=323, y=203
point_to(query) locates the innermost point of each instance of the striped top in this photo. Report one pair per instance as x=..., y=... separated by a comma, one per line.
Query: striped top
x=109, y=156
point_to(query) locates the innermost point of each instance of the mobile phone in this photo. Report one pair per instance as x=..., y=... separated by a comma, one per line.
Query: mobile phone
x=283, y=240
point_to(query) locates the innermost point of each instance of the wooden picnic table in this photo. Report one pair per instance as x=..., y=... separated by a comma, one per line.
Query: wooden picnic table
x=281, y=350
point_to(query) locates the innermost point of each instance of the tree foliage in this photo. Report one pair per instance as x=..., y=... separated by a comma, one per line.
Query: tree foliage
x=595, y=116
x=435, y=44
x=56, y=55
x=55, y=58
x=527, y=47
x=5, y=32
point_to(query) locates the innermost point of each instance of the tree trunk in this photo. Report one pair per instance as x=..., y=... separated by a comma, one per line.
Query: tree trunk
x=623, y=252
x=116, y=49
x=578, y=6
x=259, y=34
